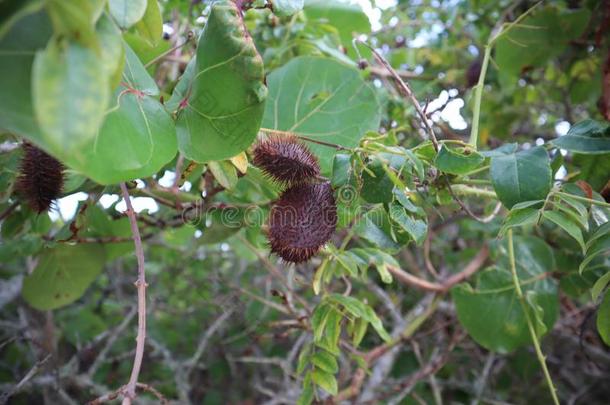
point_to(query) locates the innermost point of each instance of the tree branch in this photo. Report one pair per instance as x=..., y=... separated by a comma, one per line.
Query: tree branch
x=475, y=264
x=130, y=389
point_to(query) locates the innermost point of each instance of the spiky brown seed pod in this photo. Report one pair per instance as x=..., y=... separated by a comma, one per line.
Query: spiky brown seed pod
x=286, y=160
x=302, y=221
x=41, y=178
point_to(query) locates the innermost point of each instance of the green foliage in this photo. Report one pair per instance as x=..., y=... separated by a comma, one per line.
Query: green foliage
x=224, y=103
x=482, y=233
x=521, y=176
x=62, y=275
x=491, y=313
x=338, y=107
x=589, y=136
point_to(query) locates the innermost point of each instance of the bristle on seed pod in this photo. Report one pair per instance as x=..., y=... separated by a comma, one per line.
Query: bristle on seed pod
x=41, y=178
x=286, y=160
x=302, y=220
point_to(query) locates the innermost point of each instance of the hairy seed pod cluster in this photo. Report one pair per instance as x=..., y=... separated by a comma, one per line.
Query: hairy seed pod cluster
x=286, y=160
x=41, y=178
x=304, y=217
x=302, y=221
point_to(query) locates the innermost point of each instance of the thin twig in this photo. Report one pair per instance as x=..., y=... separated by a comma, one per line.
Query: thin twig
x=205, y=338
x=30, y=374
x=406, y=90
x=130, y=388
x=9, y=210
x=189, y=36
x=303, y=137
x=471, y=214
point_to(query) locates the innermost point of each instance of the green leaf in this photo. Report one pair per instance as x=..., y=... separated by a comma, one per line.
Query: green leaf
x=70, y=89
x=416, y=228
x=599, y=286
x=594, y=169
x=319, y=319
x=224, y=172
x=539, y=37
x=341, y=170
x=219, y=224
x=15, y=10
x=111, y=48
x=361, y=310
x=371, y=317
x=330, y=338
x=18, y=47
x=287, y=7
x=324, y=100
x=567, y=225
x=76, y=19
x=348, y=18
x=303, y=360
x=522, y=214
x=360, y=328
x=307, y=394
x=325, y=380
x=62, y=275
x=136, y=138
x=377, y=186
x=521, y=176
x=99, y=224
x=457, y=160
x=603, y=319
x=595, y=249
x=151, y=24
x=127, y=12
x=587, y=137
x=325, y=362
x=375, y=227
x=226, y=97
x=402, y=198
x=491, y=312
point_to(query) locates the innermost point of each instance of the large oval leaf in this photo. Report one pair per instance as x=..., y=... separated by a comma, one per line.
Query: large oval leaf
x=137, y=137
x=70, y=94
x=62, y=275
x=127, y=12
x=521, y=176
x=17, y=50
x=491, y=312
x=324, y=100
x=348, y=18
x=539, y=37
x=226, y=96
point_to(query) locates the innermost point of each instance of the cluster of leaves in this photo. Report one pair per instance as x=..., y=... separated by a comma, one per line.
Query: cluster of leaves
x=96, y=85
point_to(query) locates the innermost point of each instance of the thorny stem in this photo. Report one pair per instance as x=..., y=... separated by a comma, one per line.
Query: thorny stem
x=530, y=325
x=130, y=388
x=404, y=87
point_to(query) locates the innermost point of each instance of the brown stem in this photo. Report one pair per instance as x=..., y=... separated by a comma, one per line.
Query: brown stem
x=475, y=264
x=130, y=388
